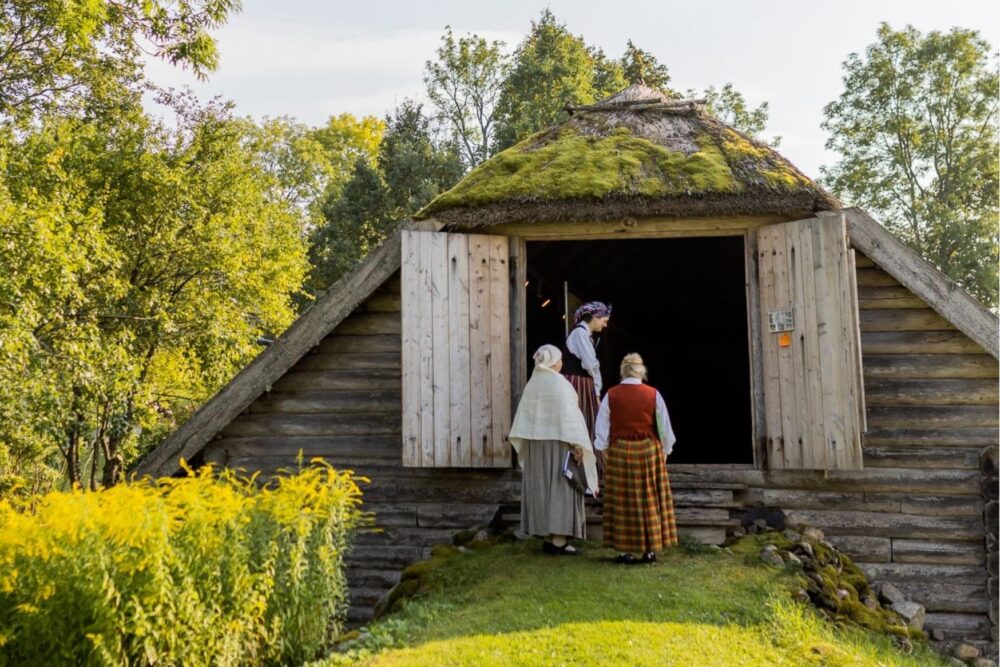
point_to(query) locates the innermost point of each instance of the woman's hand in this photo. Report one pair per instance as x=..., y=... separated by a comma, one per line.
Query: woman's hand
x=577, y=454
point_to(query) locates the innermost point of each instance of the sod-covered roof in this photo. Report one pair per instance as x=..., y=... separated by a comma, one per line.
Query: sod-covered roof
x=636, y=153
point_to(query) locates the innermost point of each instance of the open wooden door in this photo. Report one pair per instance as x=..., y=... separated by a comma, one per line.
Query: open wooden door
x=456, y=350
x=813, y=388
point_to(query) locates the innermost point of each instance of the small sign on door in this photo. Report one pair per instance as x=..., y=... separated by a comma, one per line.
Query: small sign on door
x=780, y=320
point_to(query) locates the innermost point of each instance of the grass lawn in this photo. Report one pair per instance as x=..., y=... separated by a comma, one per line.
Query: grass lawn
x=511, y=605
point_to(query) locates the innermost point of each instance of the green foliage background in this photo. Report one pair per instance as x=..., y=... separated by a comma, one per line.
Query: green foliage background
x=916, y=127
x=141, y=260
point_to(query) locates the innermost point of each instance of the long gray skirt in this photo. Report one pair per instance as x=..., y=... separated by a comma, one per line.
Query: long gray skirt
x=549, y=504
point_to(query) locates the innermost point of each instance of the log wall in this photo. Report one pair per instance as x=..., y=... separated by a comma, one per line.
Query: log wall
x=343, y=402
x=916, y=514
x=932, y=404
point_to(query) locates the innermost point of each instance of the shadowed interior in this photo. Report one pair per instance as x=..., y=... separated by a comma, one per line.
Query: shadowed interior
x=680, y=303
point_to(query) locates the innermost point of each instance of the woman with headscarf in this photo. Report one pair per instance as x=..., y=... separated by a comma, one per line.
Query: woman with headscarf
x=548, y=426
x=634, y=427
x=581, y=366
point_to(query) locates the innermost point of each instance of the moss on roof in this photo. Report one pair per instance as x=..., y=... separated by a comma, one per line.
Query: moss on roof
x=633, y=158
x=572, y=165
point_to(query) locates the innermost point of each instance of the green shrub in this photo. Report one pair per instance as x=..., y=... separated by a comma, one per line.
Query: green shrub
x=205, y=569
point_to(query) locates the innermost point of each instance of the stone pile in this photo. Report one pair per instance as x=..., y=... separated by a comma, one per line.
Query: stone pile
x=834, y=584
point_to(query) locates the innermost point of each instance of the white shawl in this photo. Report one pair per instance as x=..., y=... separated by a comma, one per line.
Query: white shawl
x=549, y=410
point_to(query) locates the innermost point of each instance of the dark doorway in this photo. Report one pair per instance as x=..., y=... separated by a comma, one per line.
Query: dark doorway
x=680, y=303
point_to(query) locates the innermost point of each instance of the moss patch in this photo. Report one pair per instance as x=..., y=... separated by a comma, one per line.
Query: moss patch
x=574, y=165
x=759, y=160
x=833, y=583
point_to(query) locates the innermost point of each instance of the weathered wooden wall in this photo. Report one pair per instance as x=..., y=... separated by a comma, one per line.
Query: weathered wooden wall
x=342, y=402
x=915, y=515
x=813, y=384
x=455, y=350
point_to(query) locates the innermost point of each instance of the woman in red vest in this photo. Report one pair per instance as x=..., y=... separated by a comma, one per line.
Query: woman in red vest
x=634, y=427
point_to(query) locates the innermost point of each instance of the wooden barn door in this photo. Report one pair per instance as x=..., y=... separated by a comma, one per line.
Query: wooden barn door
x=813, y=389
x=456, y=350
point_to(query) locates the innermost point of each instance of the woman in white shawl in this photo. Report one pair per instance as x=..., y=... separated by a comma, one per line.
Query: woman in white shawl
x=548, y=425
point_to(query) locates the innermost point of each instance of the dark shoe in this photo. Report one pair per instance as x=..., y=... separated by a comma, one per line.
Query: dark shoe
x=649, y=557
x=626, y=559
x=564, y=550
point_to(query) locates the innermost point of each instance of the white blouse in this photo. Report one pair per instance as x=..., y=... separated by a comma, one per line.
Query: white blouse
x=581, y=345
x=603, y=426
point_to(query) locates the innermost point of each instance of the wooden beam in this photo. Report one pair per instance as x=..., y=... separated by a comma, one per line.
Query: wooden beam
x=930, y=366
x=951, y=416
x=930, y=392
x=909, y=319
x=347, y=361
x=917, y=342
x=756, y=350
x=334, y=447
x=363, y=400
x=297, y=380
x=974, y=437
x=887, y=524
x=518, y=320
x=330, y=424
x=652, y=227
x=340, y=343
x=937, y=290
x=257, y=377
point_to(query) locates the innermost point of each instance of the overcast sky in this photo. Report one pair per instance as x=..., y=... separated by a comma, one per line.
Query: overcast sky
x=312, y=58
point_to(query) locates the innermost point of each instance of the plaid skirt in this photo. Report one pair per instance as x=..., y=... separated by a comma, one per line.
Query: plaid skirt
x=638, y=508
x=587, y=399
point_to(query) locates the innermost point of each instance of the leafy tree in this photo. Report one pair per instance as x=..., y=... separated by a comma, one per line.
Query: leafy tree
x=728, y=105
x=464, y=85
x=51, y=50
x=141, y=262
x=640, y=66
x=609, y=77
x=551, y=67
x=293, y=157
x=416, y=167
x=345, y=140
x=356, y=220
x=412, y=168
x=311, y=165
x=916, y=127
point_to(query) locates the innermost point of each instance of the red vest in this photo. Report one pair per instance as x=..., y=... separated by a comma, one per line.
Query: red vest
x=633, y=412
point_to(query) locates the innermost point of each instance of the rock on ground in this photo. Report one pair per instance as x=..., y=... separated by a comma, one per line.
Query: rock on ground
x=911, y=612
x=965, y=651
x=889, y=594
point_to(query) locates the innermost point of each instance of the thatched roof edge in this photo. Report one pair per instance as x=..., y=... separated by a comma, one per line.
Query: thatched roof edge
x=762, y=202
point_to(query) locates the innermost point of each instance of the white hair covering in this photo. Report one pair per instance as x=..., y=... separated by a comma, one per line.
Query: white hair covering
x=547, y=356
x=550, y=410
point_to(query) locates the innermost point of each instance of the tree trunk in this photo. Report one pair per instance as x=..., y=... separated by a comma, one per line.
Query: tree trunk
x=113, y=467
x=72, y=454
x=93, y=470
x=72, y=450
